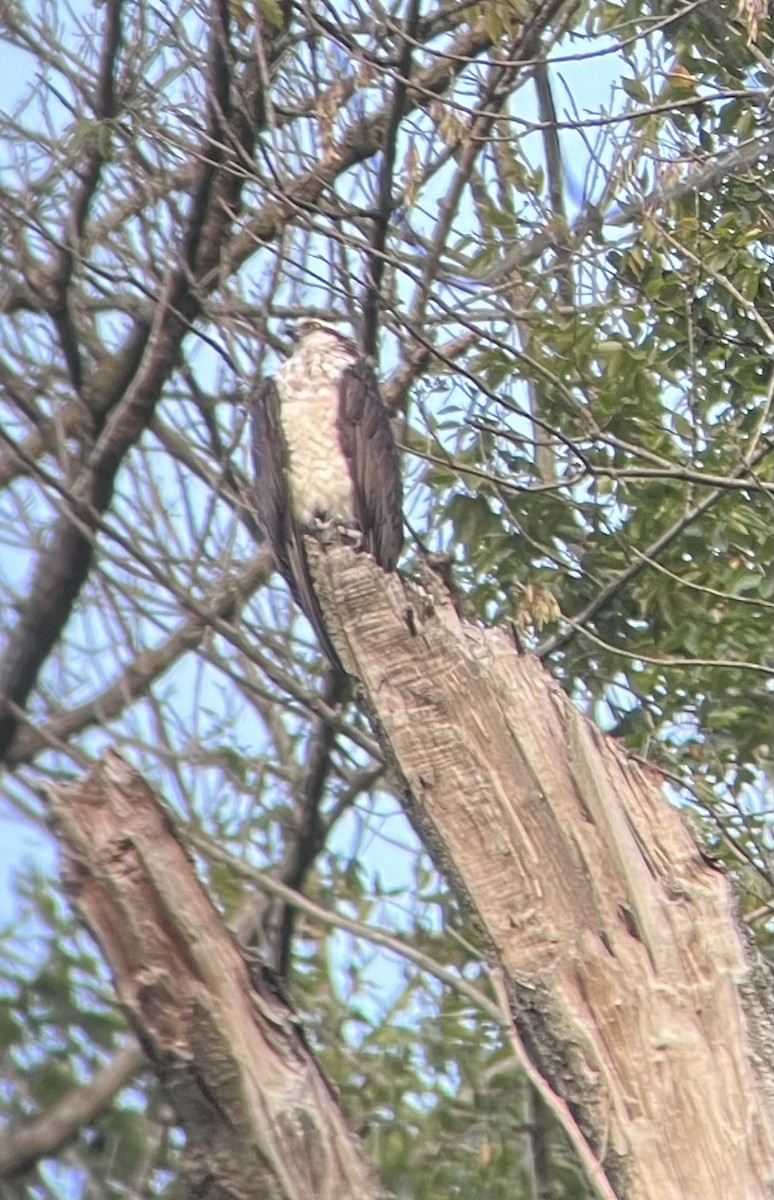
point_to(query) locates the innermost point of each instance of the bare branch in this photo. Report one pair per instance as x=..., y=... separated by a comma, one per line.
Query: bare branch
x=611, y=930
x=148, y=666
x=22, y=1147
x=259, y=1117
x=384, y=200
x=145, y=363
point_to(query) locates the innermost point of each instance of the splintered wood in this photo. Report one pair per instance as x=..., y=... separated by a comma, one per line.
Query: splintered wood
x=629, y=979
x=260, y=1120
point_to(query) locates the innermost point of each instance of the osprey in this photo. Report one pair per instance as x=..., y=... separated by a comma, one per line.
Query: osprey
x=323, y=452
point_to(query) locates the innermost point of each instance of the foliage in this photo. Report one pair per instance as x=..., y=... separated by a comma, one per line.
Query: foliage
x=563, y=228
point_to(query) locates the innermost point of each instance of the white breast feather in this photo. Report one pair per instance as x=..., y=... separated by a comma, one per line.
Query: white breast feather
x=319, y=479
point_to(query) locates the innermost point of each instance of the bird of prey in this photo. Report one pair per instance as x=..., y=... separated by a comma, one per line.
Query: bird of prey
x=324, y=453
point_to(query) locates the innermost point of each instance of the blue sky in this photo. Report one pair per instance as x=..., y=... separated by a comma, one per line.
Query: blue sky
x=590, y=87
x=20, y=841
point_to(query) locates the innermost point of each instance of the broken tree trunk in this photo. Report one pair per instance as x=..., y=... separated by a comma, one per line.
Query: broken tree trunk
x=631, y=984
x=260, y=1120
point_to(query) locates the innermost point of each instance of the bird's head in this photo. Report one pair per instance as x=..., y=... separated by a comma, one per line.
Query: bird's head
x=318, y=329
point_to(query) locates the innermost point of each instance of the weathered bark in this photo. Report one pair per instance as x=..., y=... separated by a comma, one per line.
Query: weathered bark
x=631, y=983
x=260, y=1120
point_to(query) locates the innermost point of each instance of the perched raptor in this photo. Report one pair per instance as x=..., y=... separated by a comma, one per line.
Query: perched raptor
x=324, y=452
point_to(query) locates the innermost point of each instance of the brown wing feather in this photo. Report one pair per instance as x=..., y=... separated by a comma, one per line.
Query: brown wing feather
x=274, y=510
x=370, y=450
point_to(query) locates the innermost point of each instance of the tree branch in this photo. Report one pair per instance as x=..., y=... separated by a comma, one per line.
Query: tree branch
x=260, y=1120
x=144, y=364
x=22, y=1147
x=139, y=675
x=305, y=842
x=384, y=206
x=644, y=557
x=635, y=992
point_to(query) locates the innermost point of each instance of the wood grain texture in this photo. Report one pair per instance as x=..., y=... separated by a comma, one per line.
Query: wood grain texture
x=260, y=1120
x=631, y=982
